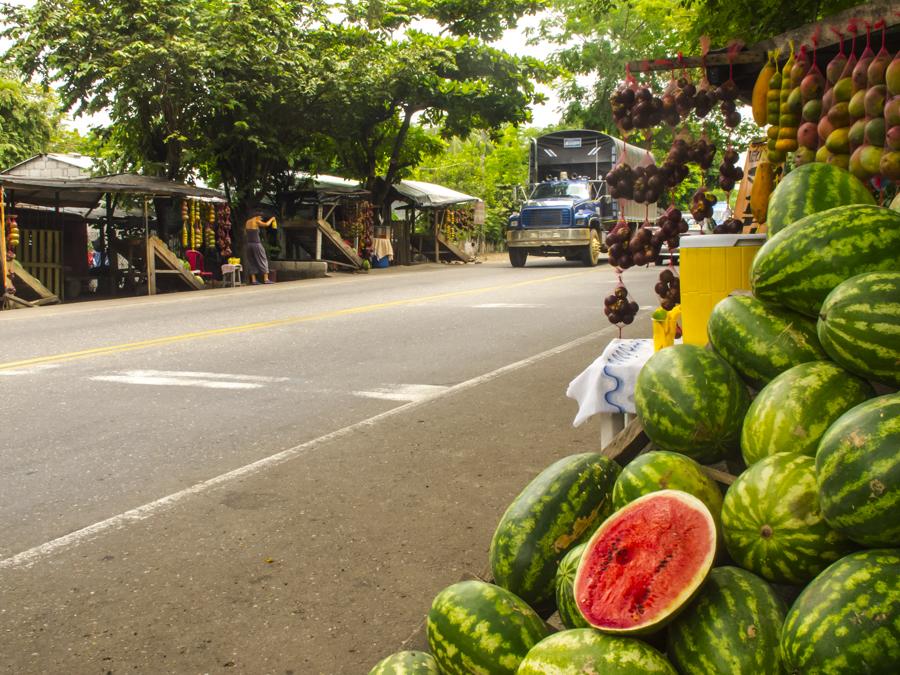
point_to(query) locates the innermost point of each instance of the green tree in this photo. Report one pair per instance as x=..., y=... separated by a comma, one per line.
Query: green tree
x=390, y=75
x=750, y=22
x=484, y=166
x=31, y=123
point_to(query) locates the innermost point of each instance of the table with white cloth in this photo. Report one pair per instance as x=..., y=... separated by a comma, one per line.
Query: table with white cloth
x=382, y=248
x=606, y=387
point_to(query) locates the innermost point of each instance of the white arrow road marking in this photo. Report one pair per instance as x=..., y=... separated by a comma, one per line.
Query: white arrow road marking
x=403, y=392
x=30, y=370
x=504, y=305
x=189, y=378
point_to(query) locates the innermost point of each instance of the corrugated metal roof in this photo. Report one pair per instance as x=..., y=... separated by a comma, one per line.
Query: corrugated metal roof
x=426, y=195
x=87, y=192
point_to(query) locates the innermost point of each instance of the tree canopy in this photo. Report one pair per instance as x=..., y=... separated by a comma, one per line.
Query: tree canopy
x=30, y=123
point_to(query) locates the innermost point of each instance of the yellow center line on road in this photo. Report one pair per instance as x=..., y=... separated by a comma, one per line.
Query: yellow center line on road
x=248, y=327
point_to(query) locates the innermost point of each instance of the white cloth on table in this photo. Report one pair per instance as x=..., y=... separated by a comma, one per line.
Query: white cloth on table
x=382, y=247
x=607, y=385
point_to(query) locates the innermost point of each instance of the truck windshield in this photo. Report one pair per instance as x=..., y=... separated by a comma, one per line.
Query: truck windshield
x=579, y=189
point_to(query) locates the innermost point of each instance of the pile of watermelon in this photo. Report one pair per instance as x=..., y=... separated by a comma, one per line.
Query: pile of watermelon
x=790, y=563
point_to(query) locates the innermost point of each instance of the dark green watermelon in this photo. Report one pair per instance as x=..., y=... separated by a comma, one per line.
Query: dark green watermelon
x=847, y=621
x=406, y=663
x=555, y=512
x=773, y=524
x=858, y=473
x=476, y=627
x=585, y=651
x=733, y=626
x=813, y=188
x=761, y=340
x=792, y=412
x=859, y=325
x=689, y=400
x=565, y=589
x=801, y=265
x=662, y=470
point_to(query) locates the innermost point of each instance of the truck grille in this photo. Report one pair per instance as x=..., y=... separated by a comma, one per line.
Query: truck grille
x=546, y=218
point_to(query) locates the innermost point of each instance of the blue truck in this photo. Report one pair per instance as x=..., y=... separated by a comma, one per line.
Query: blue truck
x=568, y=212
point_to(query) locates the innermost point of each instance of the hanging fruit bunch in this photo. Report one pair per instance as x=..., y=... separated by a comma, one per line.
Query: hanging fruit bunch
x=812, y=88
x=197, y=227
x=890, y=159
x=789, y=110
x=773, y=113
x=729, y=172
x=634, y=106
x=223, y=230
x=702, y=203
x=618, y=242
x=618, y=308
x=209, y=232
x=834, y=128
x=727, y=92
x=668, y=288
x=12, y=235
x=670, y=226
x=185, y=224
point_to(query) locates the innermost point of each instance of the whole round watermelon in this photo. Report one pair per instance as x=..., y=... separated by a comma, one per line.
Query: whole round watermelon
x=406, y=663
x=772, y=522
x=859, y=325
x=813, y=188
x=584, y=650
x=847, y=621
x=565, y=589
x=689, y=400
x=663, y=470
x=556, y=511
x=477, y=627
x=858, y=473
x=792, y=412
x=800, y=265
x=733, y=626
x=761, y=340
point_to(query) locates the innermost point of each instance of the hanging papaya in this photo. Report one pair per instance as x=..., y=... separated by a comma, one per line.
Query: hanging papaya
x=763, y=184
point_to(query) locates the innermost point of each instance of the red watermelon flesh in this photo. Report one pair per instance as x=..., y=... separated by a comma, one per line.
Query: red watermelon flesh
x=645, y=562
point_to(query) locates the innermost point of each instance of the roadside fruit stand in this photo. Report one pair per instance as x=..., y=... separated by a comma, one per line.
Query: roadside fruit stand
x=748, y=520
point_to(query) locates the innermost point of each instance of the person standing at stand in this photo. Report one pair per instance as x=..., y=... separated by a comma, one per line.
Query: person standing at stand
x=257, y=261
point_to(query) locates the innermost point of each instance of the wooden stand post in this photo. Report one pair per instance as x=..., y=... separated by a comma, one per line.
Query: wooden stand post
x=3, y=272
x=150, y=255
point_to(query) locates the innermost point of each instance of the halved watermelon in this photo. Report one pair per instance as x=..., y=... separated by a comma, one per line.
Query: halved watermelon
x=645, y=562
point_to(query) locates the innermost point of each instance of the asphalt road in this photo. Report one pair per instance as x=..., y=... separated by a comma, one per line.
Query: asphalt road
x=276, y=478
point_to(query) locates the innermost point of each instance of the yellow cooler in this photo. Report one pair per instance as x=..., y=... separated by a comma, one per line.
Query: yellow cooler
x=712, y=266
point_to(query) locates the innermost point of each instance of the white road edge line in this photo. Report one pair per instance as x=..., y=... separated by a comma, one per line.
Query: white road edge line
x=31, y=556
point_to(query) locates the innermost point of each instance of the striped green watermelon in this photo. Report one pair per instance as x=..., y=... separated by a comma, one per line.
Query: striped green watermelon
x=792, y=412
x=406, y=663
x=557, y=510
x=476, y=627
x=858, y=473
x=645, y=563
x=565, y=589
x=859, y=325
x=734, y=626
x=813, y=188
x=847, y=621
x=584, y=650
x=800, y=265
x=761, y=340
x=662, y=470
x=772, y=521
x=689, y=400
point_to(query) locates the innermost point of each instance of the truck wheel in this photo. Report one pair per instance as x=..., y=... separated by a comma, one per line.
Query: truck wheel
x=591, y=253
x=518, y=256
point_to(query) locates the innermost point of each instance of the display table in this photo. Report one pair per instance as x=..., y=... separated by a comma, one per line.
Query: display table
x=606, y=387
x=382, y=248
x=231, y=275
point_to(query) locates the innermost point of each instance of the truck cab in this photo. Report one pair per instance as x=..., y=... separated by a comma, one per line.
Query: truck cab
x=568, y=212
